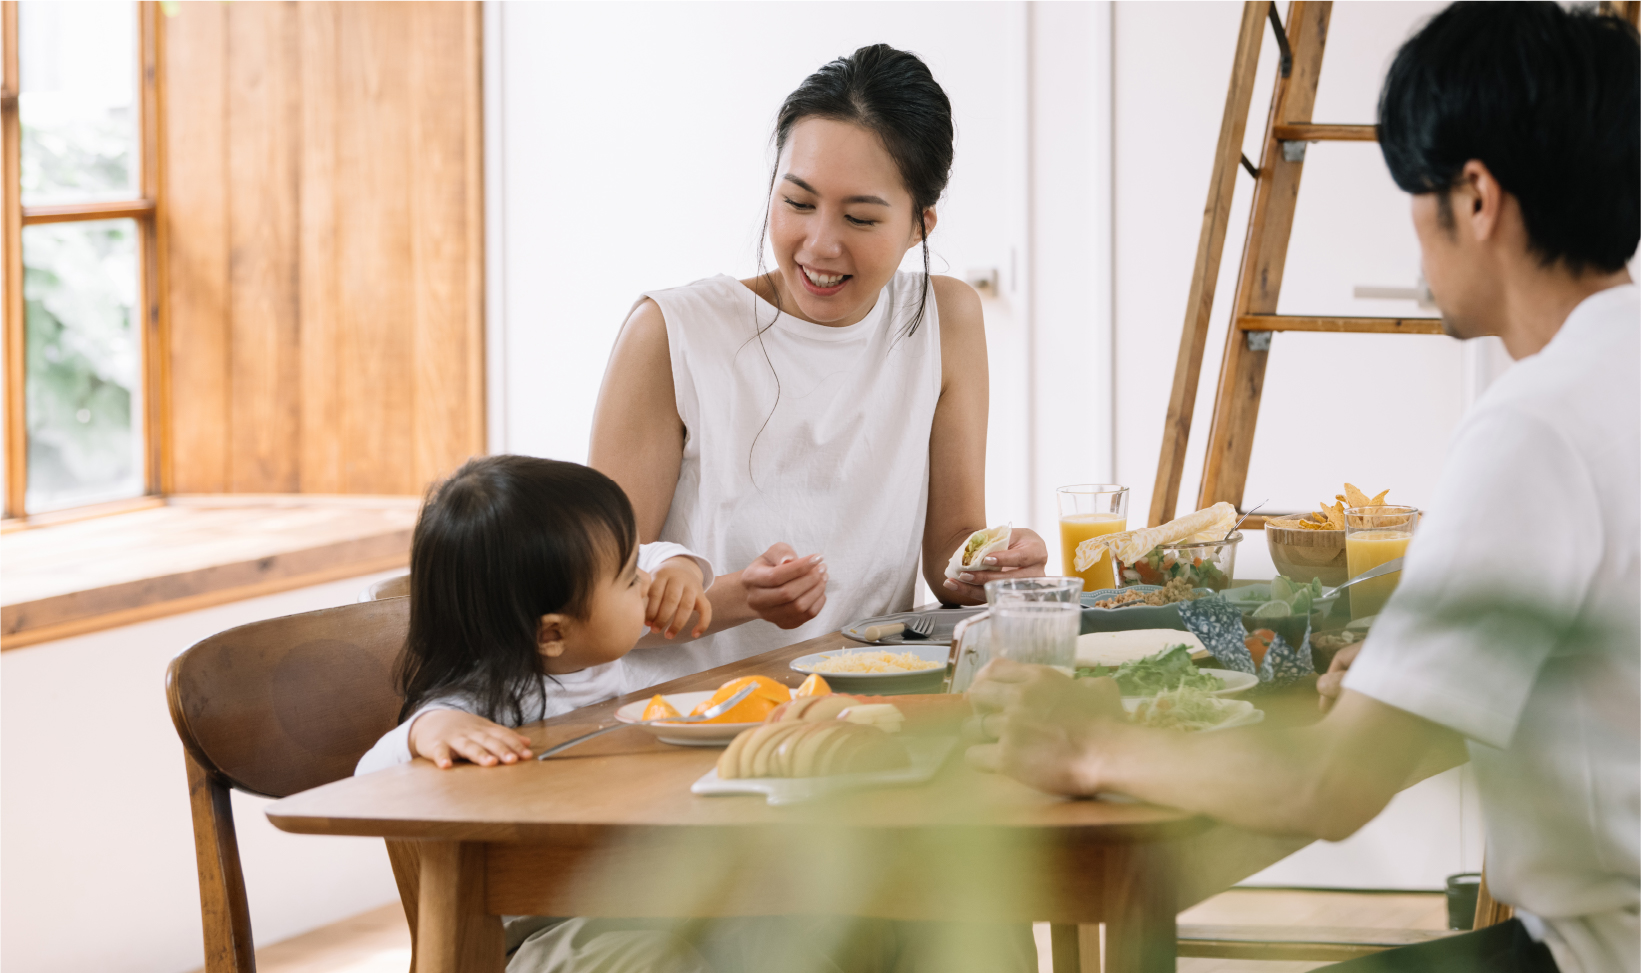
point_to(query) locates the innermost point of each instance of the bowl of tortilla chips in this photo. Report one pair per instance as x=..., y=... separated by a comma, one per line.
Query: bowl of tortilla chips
x=1314, y=545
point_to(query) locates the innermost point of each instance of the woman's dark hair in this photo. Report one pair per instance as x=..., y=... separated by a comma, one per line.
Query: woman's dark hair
x=504, y=541
x=1548, y=99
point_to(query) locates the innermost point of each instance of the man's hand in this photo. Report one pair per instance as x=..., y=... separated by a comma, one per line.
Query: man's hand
x=784, y=588
x=1025, y=557
x=1046, y=725
x=677, y=591
x=1331, y=683
x=443, y=735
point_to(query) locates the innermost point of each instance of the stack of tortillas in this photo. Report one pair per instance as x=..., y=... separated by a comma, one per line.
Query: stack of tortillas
x=1131, y=545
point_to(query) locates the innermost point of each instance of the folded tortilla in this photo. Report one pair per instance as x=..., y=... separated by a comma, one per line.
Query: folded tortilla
x=1131, y=545
x=979, y=544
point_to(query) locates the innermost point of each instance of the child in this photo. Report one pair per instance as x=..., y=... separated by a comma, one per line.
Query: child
x=527, y=583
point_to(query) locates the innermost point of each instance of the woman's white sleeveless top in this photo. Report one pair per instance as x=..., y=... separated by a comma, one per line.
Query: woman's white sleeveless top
x=812, y=435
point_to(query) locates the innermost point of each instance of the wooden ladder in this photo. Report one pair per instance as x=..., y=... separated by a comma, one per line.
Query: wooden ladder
x=1254, y=321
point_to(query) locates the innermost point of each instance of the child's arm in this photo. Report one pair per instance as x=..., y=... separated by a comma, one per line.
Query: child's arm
x=677, y=591
x=446, y=734
x=679, y=579
x=441, y=731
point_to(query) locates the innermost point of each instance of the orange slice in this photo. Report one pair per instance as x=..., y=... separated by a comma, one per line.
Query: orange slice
x=752, y=709
x=659, y=709
x=813, y=686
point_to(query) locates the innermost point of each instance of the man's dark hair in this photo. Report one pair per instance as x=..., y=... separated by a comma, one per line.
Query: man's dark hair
x=1548, y=99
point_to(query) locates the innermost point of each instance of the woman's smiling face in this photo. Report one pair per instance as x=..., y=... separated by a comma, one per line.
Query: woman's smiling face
x=840, y=220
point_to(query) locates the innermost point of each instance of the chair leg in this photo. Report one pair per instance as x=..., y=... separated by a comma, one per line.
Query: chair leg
x=224, y=911
x=1490, y=911
x=407, y=875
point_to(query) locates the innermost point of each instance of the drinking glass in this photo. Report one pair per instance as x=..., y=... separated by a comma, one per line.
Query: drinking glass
x=1374, y=535
x=1089, y=510
x=1036, y=620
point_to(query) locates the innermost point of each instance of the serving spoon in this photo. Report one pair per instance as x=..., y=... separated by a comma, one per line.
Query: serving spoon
x=1389, y=567
x=711, y=712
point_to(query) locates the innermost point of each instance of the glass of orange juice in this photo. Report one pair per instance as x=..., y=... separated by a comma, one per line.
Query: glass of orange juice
x=1089, y=510
x=1374, y=535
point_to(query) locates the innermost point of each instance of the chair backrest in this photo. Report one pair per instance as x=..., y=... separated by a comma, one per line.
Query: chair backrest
x=282, y=705
x=397, y=586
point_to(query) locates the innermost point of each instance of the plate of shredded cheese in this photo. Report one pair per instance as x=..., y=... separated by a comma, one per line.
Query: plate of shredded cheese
x=877, y=670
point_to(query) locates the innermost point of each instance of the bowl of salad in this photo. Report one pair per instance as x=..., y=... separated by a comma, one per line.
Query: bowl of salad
x=1204, y=564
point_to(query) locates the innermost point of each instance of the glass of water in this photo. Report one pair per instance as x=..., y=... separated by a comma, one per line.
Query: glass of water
x=1036, y=620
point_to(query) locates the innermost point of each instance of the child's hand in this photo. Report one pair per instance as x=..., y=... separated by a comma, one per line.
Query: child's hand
x=445, y=734
x=677, y=591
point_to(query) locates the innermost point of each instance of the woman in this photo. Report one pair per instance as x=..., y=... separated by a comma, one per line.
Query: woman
x=834, y=402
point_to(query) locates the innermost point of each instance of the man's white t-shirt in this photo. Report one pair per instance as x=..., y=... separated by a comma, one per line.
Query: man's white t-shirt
x=1537, y=514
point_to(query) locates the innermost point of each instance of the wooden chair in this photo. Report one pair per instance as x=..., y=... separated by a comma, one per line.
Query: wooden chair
x=397, y=586
x=273, y=708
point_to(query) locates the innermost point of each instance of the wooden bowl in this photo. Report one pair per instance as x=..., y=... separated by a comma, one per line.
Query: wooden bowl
x=1301, y=555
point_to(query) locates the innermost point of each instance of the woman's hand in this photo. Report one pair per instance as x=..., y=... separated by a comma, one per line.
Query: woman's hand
x=677, y=591
x=1046, y=725
x=784, y=588
x=1025, y=557
x=442, y=735
x=1329, y=685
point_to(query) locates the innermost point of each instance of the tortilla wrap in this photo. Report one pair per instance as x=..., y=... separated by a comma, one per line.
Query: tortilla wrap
x=979, y=544
x=1131, y=545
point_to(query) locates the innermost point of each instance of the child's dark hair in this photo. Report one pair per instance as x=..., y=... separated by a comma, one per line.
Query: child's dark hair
x=504, y=541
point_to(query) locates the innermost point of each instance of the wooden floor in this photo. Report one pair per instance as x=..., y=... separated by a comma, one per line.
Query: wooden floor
x=378, y=941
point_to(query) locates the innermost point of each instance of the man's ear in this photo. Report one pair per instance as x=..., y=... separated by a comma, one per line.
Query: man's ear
x=1481, y=200
x=550, y=634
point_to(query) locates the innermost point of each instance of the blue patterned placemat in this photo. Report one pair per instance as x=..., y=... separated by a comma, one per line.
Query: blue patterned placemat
x=1219, y=626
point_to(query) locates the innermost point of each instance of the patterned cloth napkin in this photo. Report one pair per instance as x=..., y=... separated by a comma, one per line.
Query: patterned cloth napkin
x=1219, y=626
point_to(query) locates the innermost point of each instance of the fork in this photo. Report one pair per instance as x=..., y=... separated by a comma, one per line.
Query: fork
x=921, y=627
x=711, y=712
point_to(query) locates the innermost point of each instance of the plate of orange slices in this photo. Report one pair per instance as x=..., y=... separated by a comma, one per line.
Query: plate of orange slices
x=718, y=731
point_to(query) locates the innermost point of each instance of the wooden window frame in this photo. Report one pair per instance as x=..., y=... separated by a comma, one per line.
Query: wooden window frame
x=147, y=209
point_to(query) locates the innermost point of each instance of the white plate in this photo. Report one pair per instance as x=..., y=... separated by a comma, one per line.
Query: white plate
x=1112, y=649
x=1243, y=712
x=927, y=754
x=683, y=734
x=880, y=683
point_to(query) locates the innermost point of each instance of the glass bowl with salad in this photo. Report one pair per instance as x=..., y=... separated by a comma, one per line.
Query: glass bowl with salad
x=1205, y=564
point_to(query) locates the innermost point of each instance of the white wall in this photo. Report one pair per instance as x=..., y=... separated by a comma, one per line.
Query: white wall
x=633, y=153
x=95, y=830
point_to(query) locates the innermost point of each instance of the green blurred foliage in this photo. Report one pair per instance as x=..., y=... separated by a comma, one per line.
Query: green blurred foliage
x=79, y=291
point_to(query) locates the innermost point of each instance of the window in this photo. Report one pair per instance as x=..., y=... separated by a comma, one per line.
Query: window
x=82, y=318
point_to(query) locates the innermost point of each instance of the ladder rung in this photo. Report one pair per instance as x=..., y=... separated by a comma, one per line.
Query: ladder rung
x=1293, y=322
x=1307, y=132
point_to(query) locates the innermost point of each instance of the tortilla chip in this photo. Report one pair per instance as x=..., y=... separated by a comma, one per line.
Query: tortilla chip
x=1354, y=497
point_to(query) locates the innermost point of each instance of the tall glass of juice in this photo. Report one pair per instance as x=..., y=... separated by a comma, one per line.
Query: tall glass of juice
x=1374, y=535
x=1089, y=510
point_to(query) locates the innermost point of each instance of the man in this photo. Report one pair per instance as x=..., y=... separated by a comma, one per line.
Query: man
x=1516, y=629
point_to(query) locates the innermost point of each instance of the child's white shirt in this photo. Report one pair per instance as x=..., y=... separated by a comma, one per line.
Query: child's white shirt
x=560, y=694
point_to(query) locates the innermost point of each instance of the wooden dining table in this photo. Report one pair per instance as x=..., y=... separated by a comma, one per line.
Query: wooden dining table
x=611, y=829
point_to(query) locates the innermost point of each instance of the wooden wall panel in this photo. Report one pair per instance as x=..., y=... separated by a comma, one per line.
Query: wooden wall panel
x=197, y=202
x=264, y=142
x=321, y=450
x=445, y=195
x=378, y=283
x=342, y=336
